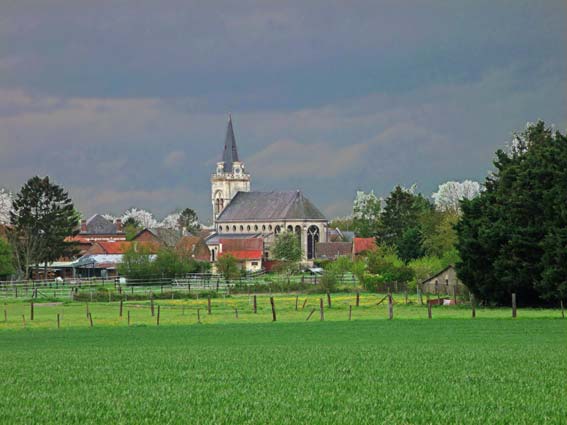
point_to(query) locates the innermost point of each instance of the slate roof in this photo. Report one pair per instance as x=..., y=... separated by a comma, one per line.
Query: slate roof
x=98, y=225
x=268, y=206
x=230, y=153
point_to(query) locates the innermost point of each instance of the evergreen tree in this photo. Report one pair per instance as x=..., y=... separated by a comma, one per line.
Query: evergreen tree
x=42, y=217
x=512, y=237
x=189, y=221
x=400, y=221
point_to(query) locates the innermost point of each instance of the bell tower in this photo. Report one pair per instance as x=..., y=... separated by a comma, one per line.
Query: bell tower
x=230, y=175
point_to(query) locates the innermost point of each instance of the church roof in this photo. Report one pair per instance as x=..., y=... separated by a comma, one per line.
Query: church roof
x=230, y=153
x=267, y=206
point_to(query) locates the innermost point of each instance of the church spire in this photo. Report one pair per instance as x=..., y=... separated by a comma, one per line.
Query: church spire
x=230, y=153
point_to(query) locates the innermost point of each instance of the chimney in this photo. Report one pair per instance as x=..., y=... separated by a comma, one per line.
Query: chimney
x=83, y=226
x=118, y=223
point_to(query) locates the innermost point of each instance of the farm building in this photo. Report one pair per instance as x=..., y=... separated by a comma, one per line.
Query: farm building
x=444, y=282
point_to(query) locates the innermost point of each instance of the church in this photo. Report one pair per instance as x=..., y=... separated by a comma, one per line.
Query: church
x=242, y=214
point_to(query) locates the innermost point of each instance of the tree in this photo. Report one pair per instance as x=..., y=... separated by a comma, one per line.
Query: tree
x=366, y=214
x=170, y=221
x=451, y=193
x=287, y=248
x=227, y=265
x=6, y=199
x=131, y=227
x=400, y=218
x=6, y=259
x=438, y=232
x=512, y=237
x=143, y=218
x=42, y=217
x=189, y=221
x=137, y=263
x=342, y=223
x=410, y=245
x=170, y=263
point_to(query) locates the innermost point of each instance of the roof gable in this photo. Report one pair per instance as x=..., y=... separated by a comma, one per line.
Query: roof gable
x=98, y=225
x=267, y=206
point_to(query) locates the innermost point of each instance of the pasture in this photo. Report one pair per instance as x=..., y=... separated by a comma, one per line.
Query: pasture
x=227, y=370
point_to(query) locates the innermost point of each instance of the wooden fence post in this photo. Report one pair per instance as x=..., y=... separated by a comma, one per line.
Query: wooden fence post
x=296, y=302
x=58, y=321
x=5, y=313
x=428, y=310
x=158, y=311
x=405, y=297
x=121, y=307
x=514, y=305
x=87, y=310
x=236, y=313
x=390, y=307
x=152, y=306
x=329, y=299
x=128, y=317
x=350, y=312
x=473, y=306
x=91, y=319
x=24, y=319
x=310, y=314
x=273, y=309
x=304, y=303
x=209, y=304
x=321, y=309
x=562, y=310
x=255, y=305
x=31, y=311
x=198, y=315
x=357, y=298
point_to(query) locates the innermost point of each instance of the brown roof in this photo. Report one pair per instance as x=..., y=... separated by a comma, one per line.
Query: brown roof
x=332, y=250
x=194, y=247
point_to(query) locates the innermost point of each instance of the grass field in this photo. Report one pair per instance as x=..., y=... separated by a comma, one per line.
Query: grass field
x=451, y=369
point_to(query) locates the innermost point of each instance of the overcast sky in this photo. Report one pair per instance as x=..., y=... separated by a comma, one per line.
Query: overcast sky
x=125, y=102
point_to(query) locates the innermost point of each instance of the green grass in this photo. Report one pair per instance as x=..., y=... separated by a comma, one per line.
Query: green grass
x=451, y=369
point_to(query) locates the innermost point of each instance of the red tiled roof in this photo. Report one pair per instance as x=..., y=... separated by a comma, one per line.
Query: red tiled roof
x=244, y=255
x=364, y=244
x=242, y=249
x=120, y=247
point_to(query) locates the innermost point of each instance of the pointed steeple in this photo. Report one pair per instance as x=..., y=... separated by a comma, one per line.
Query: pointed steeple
x=230, y=153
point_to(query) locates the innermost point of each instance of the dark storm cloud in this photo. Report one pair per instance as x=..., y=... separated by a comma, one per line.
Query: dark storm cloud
x=125, y=102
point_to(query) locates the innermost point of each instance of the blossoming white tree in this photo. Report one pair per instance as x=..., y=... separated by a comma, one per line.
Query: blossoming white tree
x=144, y=218
x=171, y=221
x=450, y=193
x=6, y=199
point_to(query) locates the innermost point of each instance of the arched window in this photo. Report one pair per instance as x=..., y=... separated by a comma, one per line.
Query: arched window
x=270, y=227
x=290, y=228
x=220, y=228
x=256, y=227
x=312, y=239
x=277, y=230
x=234, y=228
x=213, y=255
x=263, y=228
x=241, y=228
x=248, y=228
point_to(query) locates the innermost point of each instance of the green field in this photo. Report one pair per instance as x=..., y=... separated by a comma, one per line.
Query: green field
x=451, y=369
